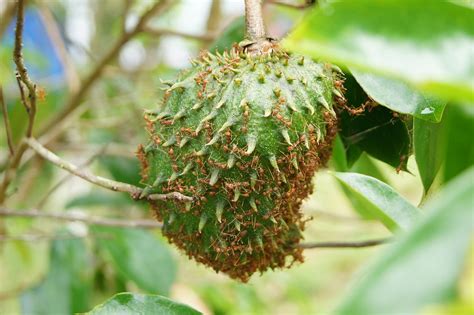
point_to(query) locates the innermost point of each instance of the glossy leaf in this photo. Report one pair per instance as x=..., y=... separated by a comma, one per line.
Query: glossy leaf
x=140, y=257
x=377, y=132
x=400, y=97
x=67, y=286
x=380, y=200
x=458, y=135
x=427, y=138
x=422, y=267
x=365, y=165
x=130, y=303
x=425, y=43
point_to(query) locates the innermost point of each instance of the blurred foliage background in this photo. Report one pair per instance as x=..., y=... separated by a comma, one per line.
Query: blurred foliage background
x=49, y=266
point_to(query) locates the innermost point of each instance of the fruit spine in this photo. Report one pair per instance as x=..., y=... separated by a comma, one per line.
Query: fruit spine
x=243, y=134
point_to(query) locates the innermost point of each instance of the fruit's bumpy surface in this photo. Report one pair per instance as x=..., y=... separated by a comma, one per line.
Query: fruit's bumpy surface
x=243, y=135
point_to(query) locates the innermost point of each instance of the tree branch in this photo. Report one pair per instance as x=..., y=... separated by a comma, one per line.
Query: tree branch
x=214, y=18
x=63, y=180
x=254, y=25
x=143, y=224
x=76, y=99
x=149, y=224
x=167, y=32
x=361, y=244
x=290, y=4
x=22, y=73
x=110, y=184
x=6, y=121
x=22, y=78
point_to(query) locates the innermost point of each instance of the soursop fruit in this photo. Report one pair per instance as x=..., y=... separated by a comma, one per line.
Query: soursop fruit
x=243, y=135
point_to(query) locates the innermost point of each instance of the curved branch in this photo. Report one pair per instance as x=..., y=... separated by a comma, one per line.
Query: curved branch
x=110, y=184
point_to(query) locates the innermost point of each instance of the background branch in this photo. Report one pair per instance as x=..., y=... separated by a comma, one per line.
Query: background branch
x=7, y=16
x=360, y=244
x=76, y=99
x=6, y=121
x=22, y=78
x=64, y=216
x=207, y=38
x=149, y=224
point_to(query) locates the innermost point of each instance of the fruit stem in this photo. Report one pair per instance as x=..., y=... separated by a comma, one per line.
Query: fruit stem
x=255, y=28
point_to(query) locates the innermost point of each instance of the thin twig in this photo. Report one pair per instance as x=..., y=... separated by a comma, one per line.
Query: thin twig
x=168, y=32
x=10, y=170
x=360, y=244
x=22, y=73
x=6, y=121
x=291, y=4
x=143, y=224
x=110, y=184
x=76, y=99
x=73, y=169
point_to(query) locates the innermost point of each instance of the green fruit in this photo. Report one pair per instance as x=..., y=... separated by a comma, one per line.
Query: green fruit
x=243, y=135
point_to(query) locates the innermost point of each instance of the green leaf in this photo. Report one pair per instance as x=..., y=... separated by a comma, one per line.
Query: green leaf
x=378, y=133
x=427, y=138
x=458, y=133
x=338, y=158
x=380, y=200
x=425, y=43
x=365, y=165
x=140, y=257
x=233, y=33
x=422, y=267
x=123, y=169
x=18, y=256
x=68, y=284
x=130, y=303
x=398, y=96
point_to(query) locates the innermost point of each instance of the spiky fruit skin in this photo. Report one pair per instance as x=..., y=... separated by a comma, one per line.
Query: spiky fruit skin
x=243, y=135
